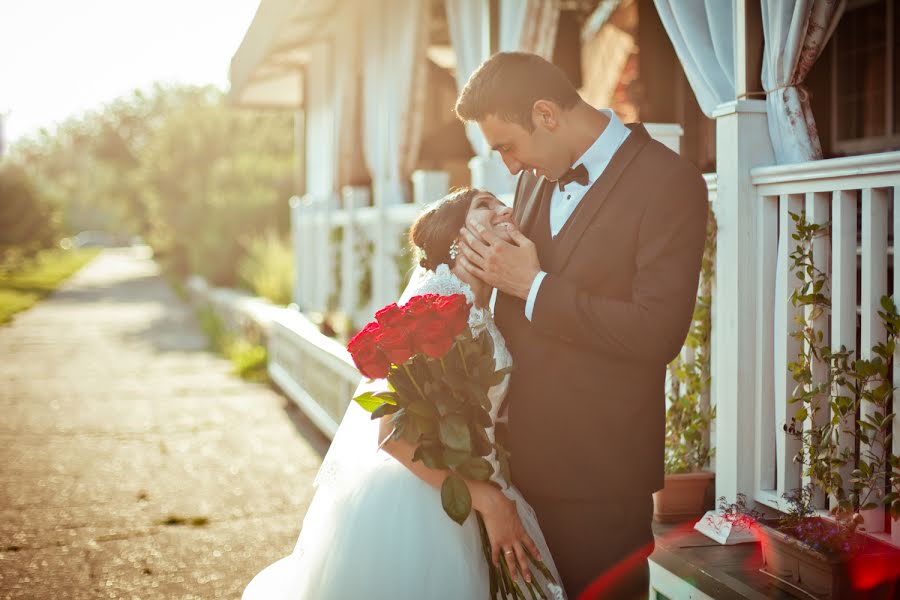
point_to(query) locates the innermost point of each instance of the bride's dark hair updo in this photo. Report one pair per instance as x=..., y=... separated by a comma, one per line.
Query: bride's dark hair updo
x=439, y=225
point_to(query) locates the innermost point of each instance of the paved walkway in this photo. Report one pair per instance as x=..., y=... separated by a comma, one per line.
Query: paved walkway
x=132, y=463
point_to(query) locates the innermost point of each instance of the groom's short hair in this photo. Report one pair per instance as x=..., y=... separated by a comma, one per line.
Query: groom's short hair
x=509, y=83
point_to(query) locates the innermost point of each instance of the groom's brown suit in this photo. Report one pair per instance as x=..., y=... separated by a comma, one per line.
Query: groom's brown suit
x=586, y=399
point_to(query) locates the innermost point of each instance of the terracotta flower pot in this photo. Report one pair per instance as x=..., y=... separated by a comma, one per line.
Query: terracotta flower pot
x=872, y=573
x=683, y=497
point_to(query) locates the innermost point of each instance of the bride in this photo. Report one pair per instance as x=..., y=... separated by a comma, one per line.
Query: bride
x=376, y=528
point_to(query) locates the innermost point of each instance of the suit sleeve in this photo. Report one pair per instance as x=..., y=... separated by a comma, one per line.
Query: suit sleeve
x=651, y=326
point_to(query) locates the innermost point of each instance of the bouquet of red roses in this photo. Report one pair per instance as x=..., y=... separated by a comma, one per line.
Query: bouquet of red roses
x=439, y=375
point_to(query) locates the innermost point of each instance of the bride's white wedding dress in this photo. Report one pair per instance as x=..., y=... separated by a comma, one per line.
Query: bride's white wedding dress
x=376, y=531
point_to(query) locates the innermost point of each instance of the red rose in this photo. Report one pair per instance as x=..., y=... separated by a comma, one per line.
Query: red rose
x=433, y=336
x=394, y=342
x=390, y=315
x=434, y=321
x=420, y=306
x=455, y=310
x=367, y=357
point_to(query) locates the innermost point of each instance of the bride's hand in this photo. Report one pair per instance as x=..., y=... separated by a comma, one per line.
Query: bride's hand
x=505, y=530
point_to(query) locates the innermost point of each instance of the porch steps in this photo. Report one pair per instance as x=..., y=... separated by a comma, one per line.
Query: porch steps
x=686, y=565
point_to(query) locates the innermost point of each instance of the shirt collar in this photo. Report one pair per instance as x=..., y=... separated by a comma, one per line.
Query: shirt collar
x=601, y=151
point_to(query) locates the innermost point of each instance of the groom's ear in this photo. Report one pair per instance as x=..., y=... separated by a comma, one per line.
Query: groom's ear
x=545, y=113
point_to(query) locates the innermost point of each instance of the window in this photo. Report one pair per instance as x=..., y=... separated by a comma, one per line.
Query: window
x=866, y=73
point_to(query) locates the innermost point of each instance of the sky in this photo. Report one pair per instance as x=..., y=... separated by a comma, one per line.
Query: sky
x=61, y=57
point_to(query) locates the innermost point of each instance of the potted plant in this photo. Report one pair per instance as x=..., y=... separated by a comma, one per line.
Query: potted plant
x=822, y=554
x=688, y=416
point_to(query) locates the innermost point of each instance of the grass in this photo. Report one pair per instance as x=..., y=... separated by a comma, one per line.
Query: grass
x=23, y=288
x=249, y=359
x=179, y=520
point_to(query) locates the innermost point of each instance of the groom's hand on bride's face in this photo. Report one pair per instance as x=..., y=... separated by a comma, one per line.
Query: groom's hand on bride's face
x=509, y=266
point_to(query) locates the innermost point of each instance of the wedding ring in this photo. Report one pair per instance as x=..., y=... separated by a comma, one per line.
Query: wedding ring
x=510, y=551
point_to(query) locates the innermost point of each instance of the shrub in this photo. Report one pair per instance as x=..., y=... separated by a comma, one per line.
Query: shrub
x=267, y=268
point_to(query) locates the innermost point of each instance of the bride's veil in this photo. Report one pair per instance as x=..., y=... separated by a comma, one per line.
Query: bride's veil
x=355, y=444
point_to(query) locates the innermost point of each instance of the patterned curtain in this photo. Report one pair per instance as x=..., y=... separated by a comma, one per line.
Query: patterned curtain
x=529, y=26
x=795, y=33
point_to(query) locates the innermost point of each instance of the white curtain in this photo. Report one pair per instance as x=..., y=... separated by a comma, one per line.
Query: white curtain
x=702, y=32
x=346, y=98
x=796, y=32
x=467, y=21
x=395, y=34
x=529, y=26
x=525, y=25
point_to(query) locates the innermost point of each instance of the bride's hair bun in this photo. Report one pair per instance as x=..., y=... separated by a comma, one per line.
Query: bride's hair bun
x=438, y=225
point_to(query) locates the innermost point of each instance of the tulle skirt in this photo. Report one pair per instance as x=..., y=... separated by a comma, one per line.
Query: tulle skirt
x=386, y=538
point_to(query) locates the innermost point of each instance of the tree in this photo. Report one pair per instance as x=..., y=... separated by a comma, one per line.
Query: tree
x=27, y=225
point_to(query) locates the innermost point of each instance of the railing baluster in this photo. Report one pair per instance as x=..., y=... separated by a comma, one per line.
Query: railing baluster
x=895, y=525
x=874, y=286
x=786, y=347
x=817, y=212
x=843, y=300
x=766, y=430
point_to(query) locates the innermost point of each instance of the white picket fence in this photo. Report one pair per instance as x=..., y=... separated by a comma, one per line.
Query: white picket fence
x=855, y=255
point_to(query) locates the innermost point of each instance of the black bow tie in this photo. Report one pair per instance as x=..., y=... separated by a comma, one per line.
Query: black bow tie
x=579, y=175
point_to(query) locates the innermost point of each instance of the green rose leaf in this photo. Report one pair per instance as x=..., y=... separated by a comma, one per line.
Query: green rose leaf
x=368, y=401
x=384, y=409
x=430, y=456
x=476, y=468
x=455, y=458
x=454, y=433
x=455, y=498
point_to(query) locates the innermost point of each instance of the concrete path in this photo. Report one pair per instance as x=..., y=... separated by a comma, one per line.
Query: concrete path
x=132, y=463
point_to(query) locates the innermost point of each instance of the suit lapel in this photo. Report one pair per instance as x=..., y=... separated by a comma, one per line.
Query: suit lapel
x=572, y=231
x=531, y=203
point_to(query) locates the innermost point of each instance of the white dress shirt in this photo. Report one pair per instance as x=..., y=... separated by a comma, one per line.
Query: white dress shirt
x=563, y=203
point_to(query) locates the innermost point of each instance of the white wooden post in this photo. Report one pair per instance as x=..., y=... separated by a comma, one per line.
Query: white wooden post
x=296, y=211
x=490, y=174
x=354, y=197
x=307, y=253
x=667, y=133
x=873, y=287
x=324, y=252
x=384, y=275
x=843, y=301
x=742, y=142
x=429, y=186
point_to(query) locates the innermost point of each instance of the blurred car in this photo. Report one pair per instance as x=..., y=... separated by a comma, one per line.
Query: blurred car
x=99, y=239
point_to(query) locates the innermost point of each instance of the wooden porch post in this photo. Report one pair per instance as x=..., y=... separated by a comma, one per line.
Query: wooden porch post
x=742, y=142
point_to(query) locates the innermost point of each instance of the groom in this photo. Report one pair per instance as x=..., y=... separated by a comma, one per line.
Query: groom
x=595, y=297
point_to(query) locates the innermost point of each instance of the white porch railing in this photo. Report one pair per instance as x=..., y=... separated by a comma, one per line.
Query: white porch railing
x=337, y=270
x=855, y=256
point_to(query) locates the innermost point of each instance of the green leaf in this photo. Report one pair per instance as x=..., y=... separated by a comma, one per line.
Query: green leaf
x=476, y=468
x=455, y=498
x=454, y=433
x=454, y=458
x=389, y=397
x=423, y=408
x=384, y=409
x=430, y=455
x=368, y=401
